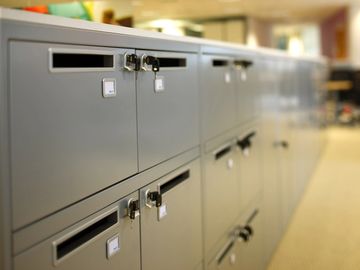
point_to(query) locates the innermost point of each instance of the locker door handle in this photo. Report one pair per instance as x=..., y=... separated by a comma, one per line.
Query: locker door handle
x=284, y=144
x=244, y=233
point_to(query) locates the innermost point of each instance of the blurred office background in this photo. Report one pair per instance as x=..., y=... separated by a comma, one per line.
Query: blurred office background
x=313, y=27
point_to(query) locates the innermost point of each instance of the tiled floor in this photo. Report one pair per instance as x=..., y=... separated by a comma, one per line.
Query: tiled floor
x=325, y=230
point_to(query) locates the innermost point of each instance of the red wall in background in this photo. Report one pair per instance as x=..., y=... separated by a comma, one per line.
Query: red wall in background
x=334, y=35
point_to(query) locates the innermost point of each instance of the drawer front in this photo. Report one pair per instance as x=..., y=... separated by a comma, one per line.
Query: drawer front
x=70, y=137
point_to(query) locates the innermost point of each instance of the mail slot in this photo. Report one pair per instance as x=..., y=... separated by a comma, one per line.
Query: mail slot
x=171, y=235
x=73, y=125
x=107, y=239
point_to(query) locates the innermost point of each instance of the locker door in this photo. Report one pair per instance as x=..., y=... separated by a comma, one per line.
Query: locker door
x=285, y=144
x=249, y=157
x=171, y=236
x=218, y=95
x=220, y=194
x=270, y=164
x=107, y=240
x=167, y=106
x=246, y=68
x=73, y=125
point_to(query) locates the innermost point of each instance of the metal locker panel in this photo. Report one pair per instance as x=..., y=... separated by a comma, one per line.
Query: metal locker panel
x=171, y=236
x=168, y=121
x=249, y=255
x=247, y=71
x=220, y=191
x=106, y=240
x=270, y=166
x=218, y=95
x=226, y=259
x=285, y=144
x=249, y=158
x=67, y=140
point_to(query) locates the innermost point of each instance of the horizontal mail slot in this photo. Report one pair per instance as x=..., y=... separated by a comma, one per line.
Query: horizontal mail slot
x=219, y=154
x=84, y=235
x=220, y=63
x=61, y=60
x=174, y=182
x=168, y=62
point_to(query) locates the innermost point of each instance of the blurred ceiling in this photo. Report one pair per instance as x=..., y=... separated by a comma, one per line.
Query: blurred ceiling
x=278, y=10
x=274, y=10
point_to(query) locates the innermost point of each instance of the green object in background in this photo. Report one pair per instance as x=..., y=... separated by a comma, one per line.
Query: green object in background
x=75, y=10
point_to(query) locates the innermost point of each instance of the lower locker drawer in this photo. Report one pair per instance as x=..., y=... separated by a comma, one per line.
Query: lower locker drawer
x=107, y=240
x=221, y=196
x=171, y=230
x=244, y=249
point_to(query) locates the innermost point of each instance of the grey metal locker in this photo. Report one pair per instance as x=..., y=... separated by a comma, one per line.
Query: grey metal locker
x=171, y=236
x=167, y=106
x=220, y=191
x=218, y=95
x=107, y=240
x=249, y=158
x=246, y=69
x=73, y=125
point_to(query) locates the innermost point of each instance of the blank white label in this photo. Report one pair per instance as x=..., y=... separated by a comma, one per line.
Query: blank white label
x=246, y=152
x=109, y=88
x=162, y=212
x=113, y=246
x=159, y=84
x=227, y=77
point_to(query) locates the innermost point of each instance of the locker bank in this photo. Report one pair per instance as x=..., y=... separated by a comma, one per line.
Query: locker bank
x=125, y=149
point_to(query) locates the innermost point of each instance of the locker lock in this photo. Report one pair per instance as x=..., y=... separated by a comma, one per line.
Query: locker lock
x=242, y=66
x=283, y=144
x=131, y=62
x=153, y=198
x=245, y=143
x=133, y=208
x=245, y=233
x=150, y=61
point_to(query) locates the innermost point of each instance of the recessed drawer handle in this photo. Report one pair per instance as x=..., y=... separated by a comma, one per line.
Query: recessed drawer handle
x=225, y=252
